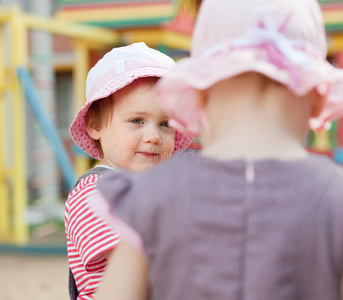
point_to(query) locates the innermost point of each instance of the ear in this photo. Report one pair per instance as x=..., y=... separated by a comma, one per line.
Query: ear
x=92, y=126
x=318, y=105
x=201, y=97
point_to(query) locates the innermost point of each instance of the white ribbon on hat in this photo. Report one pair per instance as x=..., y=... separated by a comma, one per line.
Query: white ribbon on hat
x=271, y=34
x=268, y=34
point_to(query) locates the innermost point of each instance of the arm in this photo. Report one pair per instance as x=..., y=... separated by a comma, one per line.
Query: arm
x=126, y=276
x=89, y=241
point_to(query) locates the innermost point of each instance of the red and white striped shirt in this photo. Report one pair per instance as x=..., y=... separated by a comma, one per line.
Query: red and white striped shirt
x=87, y=238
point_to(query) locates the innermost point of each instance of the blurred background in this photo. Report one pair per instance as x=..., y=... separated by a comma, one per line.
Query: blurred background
x=46, y=50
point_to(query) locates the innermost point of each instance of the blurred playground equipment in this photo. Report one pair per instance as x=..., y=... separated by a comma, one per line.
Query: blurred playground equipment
x=166, y=24
x=93, y=27
x=15, y=81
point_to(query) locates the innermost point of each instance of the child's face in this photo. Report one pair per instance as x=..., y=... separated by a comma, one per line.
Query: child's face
x=138, y=136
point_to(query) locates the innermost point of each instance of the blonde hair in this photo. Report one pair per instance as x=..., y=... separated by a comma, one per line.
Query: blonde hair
x=102, y=109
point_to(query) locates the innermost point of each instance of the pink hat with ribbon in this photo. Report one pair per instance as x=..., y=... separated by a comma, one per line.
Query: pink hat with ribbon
x=117, y=69
x=282, y=39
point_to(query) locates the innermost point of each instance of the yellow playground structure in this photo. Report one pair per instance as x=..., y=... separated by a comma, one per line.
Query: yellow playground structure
x=13, y=183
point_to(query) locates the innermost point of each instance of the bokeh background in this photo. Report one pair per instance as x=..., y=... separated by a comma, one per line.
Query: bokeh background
x=46, y=49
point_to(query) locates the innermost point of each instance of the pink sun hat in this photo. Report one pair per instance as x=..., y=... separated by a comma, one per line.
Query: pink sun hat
x=282, y=39
x=117, y=69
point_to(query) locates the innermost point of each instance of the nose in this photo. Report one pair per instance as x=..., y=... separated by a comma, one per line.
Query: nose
x=152, y=135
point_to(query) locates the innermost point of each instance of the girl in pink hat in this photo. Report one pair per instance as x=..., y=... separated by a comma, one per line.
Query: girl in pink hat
x=124, y=127
x=253, y=215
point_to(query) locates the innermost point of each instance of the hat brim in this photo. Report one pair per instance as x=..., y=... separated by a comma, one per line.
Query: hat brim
x=176, y=93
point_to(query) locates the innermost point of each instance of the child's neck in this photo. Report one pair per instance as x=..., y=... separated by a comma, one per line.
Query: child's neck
x=251, y=119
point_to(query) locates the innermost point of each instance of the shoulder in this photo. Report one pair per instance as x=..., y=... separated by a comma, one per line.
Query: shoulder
x=89, y=178
x=332, y=201
x=334, y=190
x=318, y=172
x=325, y=177
x=84, y=186
x=328, y=172
x=327, y=183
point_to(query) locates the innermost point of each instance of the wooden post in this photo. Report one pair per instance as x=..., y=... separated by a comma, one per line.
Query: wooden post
x=4, y=200
x=20, y=193
x=81, y=69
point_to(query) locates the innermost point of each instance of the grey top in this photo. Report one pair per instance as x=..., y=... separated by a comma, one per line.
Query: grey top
x=214, y=230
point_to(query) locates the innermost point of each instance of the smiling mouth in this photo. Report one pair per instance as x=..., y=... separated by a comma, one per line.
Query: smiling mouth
x=148, y=154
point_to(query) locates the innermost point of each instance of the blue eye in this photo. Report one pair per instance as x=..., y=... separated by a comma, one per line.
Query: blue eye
x=165, y=124
x=136, y=121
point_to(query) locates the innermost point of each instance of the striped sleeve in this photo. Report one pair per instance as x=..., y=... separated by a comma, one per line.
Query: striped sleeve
x=90, y=235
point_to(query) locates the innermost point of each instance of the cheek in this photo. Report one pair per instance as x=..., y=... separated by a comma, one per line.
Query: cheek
x=169, y=142
x=114, y=144
x=130, y=139
x=125, y=136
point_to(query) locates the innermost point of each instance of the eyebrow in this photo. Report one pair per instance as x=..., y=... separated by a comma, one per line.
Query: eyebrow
x=137, y=113
x=142, y=113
